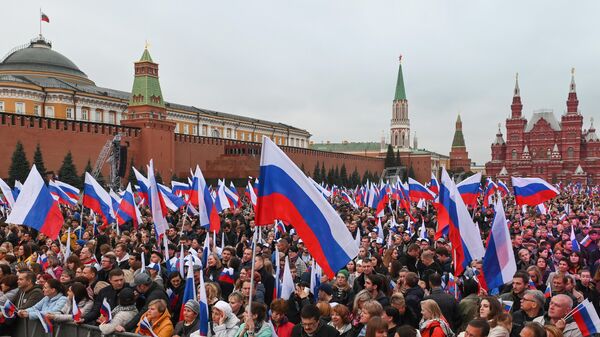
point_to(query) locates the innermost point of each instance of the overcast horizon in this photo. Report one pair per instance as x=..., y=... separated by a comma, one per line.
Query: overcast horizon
x=331, y=67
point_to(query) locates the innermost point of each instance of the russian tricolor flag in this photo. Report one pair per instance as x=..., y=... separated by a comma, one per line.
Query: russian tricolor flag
x=469, y=189
x=9, y=310
x=532, y=191
x=181, y=189
x=156, y=202
x=189, y=292
x=143, y=185
x=250, y=194
x=128, y=210
x=203, y=314
x=36, y=208
x=417, y=191
x=76, y=311
x=463, y=233
x=105, y=309
x=7, y=192
x=172, y=201
x=201, y=198
x=499, y=263
x=232, y=196
x=586, y=317
x=434, y=186
x=46, y=323
x=59, y=195
x=285, y=193
x=574, y=241
x=503, y=188
x=96, y=198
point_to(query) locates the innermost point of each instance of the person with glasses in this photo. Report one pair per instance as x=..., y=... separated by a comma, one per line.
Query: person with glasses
x=311, y=326
x=532, y=307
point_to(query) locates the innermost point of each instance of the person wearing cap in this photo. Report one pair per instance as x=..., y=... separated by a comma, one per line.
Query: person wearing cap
x=325, y=292
x=532, y=307
x=342, y=291
x=154, y=270
x=189, y=324
x=121, y=314
x=159, y=318
x=151, y=291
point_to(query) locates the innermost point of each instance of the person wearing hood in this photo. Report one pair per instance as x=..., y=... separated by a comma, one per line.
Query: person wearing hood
x=224, y=322
x=189, y=324
x=159, y=318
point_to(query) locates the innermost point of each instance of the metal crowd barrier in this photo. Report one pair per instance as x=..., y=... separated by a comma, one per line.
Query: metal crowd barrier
x=33, y=328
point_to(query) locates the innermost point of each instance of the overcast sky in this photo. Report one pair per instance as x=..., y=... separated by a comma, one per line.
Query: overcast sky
x=330, y=67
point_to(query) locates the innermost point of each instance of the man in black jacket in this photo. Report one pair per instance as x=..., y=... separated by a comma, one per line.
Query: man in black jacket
x=446, y=302
x=116, y=278
x=532, y=306
x=150, y=291
x=414, y=294
x=311, y=325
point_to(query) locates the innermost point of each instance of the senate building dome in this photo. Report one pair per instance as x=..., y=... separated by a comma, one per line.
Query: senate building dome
x=38, y=59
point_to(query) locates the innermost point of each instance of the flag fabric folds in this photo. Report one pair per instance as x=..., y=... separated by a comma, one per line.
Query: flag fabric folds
x=96, y=198
x=189, y=292
x=469, y=189
x=417, y=191
x=532, y=191
x=586, y=317
x=106, y=311
x=36, y=208
x=499, y=263
x=285, y=193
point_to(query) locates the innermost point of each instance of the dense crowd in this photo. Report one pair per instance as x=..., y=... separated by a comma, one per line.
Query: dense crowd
x=399, y=285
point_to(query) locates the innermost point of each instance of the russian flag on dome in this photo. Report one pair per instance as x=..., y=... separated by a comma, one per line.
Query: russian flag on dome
x=142, y=186
x=434, y=186
x=417, y=191
x=469, y=189
x=96, y=198
x=59, y=195
x=532, y=191
x=586, y=317
x=71, y=191
x=201, y=198
x=232, y=196
x=36, y=208
x=499, y=263
x=463, y=233
x=7, y=192
x=285, y=193
x=128, y=210
x=189, y=292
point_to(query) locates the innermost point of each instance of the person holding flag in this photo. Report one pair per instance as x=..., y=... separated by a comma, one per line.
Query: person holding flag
x=78, y=304
x=125, y=311
x=156, y=321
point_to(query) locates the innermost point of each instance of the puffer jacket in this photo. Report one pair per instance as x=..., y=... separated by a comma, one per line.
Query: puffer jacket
x=120, y=316
x=162, y=327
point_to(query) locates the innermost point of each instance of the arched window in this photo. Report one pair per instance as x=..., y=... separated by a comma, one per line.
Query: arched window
x=548, y=153
x=570, y=153
x=215, y=133
x=514, y=154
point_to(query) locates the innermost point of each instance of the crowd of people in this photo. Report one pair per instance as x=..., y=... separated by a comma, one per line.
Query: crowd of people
x=399, y=285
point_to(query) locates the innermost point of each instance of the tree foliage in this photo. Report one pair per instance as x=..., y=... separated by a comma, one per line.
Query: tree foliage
x=390, y=160
x=68, y=172
x=38, y=161
x=19, y=166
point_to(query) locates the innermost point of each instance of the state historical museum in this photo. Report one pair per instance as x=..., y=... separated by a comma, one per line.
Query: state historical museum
x=558, y=151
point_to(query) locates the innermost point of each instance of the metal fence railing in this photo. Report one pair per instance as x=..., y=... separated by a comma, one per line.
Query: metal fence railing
x=29, y=328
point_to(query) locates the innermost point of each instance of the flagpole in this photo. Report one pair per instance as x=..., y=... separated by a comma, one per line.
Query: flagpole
x=40, y=18
x=252, y=273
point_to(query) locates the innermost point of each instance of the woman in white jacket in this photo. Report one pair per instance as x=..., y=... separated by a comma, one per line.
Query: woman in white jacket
x=224, y=322
x=121, y=314
x=84, y=303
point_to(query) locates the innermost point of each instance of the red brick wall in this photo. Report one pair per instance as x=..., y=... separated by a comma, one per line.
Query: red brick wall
x=56, y=137
x=176, y=154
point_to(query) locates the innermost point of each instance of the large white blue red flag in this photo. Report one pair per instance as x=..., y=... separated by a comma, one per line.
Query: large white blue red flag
x=203, y=314
x=232, y=195
x=201, y=198
x=157, y=204
x=499, y=263
x=143, y=184
x=96, y=198
x=463, y=233
x=469, y=189
x=574, y=241
x=128, y=210
x=36, y=208
x=172, y=201
x=189, y=292
x=285, y=193
x=59, y=195
x=434, y=186
x=417, y=191
x=181, y=189
x=532, y=191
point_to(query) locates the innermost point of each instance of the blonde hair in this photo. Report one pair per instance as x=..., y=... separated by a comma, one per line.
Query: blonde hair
x=553, y=331
x=324, y=308
x=433, y=307
x=362, y=296
x=161, y=305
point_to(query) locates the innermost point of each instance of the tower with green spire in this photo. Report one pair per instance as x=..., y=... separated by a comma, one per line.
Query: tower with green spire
x=400, y=124
x=146, y=94
x=459, y=157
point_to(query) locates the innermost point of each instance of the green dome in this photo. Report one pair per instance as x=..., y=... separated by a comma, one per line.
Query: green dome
x=39, y=57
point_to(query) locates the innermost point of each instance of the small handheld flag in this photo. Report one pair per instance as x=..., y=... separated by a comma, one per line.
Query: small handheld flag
x=46, y=322
x=586, y=317
x=76, y=311
x=146, y=328
x=9, y=309
x=105, y=311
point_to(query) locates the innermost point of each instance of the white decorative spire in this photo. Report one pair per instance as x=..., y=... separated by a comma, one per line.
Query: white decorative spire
x=572, y=86
x=517, y=90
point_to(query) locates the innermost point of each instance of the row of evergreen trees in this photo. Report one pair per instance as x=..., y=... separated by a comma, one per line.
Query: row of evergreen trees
x=20, y=167
x=339, y=176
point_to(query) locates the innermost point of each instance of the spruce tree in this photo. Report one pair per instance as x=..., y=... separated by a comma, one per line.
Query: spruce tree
x=336, y=176
x=411, y=172
x=398, y=158
x=68, y=172
x=316, y=173
x=19, y=167
x=330, y=177
x=174, y=177
x=354, y=178
x=323, y=173
x=38, y=161
x=88, y=168
x=343, y=176
x=366, y=177
x=158, y=177
x=131, y=178
x=390, y=160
